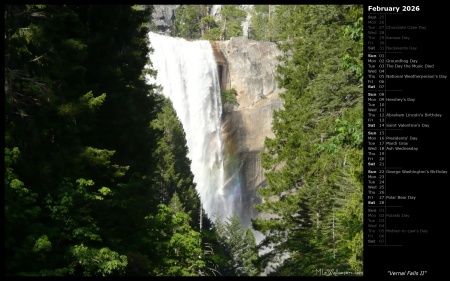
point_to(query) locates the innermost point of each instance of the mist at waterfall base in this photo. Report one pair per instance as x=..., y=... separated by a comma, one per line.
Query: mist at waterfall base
x=187, y=72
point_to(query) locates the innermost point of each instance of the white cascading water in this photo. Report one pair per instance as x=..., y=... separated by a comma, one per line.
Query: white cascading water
x=188, y=73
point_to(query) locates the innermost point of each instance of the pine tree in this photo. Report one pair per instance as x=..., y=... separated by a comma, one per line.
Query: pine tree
x=175, y=245
x=249, y=254
x=231, y=20
x=261, y=25
x=318, y=137
x=189, y=21
x=239, y=244
x=173, y=173
x=71, y=179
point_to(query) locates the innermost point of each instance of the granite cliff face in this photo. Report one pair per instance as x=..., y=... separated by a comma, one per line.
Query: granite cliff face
x=249, y=67
x=163, y=17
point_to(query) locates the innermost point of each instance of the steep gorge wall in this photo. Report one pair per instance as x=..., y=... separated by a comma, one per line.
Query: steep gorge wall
x=249, y=67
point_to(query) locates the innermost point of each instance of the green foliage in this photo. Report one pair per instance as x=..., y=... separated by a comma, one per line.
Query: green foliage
x=261, y=26
x=353, y=60
x=356, y=247
x=250, y=254
x=314, y=192
x=91, y=151
x=211, y=27
x=189, y=20
x=213, y=34
x=11, y=157
x=229, y=95
x=77, y=195
x=21, y=212
x=175, y=204
x=231, y=20
x=194, y=22
x=173, y=174
x=283, y=23
x=98, y=262
x=349, y=134
x=239, y=244
x=176, y=246
x=42, y=244
x=91, y=102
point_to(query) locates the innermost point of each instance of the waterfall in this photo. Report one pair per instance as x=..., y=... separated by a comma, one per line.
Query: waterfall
x=187, y=72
